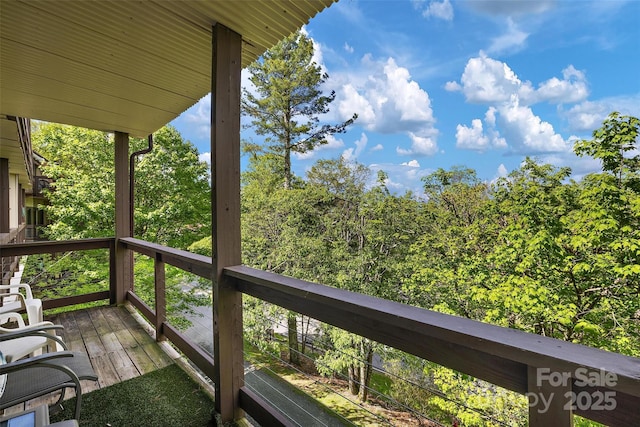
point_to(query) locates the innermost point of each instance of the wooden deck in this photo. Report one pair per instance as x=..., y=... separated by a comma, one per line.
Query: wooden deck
x=120, y=345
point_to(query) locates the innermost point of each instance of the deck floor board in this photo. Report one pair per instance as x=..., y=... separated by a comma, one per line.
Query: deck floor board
x=119, y=347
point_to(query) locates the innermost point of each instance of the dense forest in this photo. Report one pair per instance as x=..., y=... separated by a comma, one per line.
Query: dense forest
x=536, y=250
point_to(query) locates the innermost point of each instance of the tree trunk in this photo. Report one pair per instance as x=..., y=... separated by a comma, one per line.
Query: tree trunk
x=304, y=334
x=365, y=372
x=287, y=168
x=292, y=323
x=353, y=380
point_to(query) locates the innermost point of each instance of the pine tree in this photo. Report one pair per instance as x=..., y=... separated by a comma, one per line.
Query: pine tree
x=288, y=101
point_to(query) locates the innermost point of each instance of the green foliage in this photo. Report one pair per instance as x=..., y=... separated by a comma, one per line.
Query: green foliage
x=183, y=290
x=201, y=247
x=82, y=202
x=483, y=404
x=81, y=164
x=614, y=144
x=172, y=192
x=288, y=100
x=68, y=274
x=172, y=207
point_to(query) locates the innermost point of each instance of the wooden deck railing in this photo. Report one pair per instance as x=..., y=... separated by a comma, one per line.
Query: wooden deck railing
x=602, y=386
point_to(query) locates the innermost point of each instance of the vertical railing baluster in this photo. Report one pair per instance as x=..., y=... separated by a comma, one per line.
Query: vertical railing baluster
x=112, y=272
x=161, y=303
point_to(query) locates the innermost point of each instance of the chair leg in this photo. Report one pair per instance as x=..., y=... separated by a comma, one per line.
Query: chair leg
x=57, y=406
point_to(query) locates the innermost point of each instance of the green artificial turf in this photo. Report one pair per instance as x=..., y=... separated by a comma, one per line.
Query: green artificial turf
x=166, y=397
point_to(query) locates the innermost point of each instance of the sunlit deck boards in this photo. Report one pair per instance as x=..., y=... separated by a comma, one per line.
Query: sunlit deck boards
x=119, y=346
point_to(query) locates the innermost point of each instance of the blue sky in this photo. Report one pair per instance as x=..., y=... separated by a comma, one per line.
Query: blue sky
x=475, y=83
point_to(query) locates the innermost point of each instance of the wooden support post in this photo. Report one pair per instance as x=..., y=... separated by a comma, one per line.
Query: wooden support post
x=4, y=195
x=161, y=302
x=123, y=257
x=548, y=398
x=225, y=206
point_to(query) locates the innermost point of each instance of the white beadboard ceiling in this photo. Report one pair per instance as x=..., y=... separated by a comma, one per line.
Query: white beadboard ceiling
x=129, y=66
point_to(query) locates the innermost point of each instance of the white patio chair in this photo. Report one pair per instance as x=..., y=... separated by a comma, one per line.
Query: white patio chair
x=13, y=300
x=16, y=343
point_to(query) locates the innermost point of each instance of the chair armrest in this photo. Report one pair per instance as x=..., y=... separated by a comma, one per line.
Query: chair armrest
x=21, y=300
x=31, y=361
x=38, y=330
x=15, y=294
x=26, y=287
x=6, y=317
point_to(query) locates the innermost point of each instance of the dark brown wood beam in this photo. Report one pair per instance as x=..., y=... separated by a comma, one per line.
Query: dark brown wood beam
x=505, y=357
x=123, y=256
x=225, y=206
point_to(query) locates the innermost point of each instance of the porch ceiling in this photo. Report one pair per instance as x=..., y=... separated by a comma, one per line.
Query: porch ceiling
x=129, y=66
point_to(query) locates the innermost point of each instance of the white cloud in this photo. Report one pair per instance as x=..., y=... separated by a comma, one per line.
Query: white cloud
x=205, y=157
x=387, y=100
x=572, y=88
x=513, y=40
x=199, y=116
x=476, y=137
x=378, y=147
x=442, y=10
x=351, y=154
x=352, y=102
x=413, y=163
x=502, y=171
x=452, y=86
x=589, y=115
x=348, y=47
x=526, y=132
x=490, y=116
x=420, y=146
x=486, y=80
x=510, y=116
x=471, y=138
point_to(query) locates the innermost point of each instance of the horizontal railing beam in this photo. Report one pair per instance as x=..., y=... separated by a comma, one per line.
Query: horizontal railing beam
x=199, y=265
x=75, y=299
x=52, y=247
x=193, y=352
x=261, y=410
x=417, y=331
x=146, y=311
